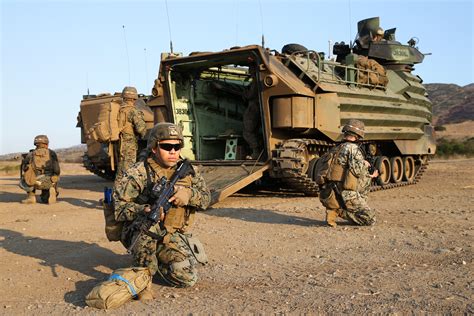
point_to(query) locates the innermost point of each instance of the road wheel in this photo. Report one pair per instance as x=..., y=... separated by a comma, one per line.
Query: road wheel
x=311, y=167
x=397, y=169
x=383, y=165
x=408, y=168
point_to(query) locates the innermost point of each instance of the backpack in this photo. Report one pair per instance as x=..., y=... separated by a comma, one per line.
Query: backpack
x=327, y=169
x=122, y=286
x=35, y=165
x=107, y=128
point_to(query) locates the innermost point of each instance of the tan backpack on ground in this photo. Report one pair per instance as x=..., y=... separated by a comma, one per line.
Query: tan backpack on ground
x=122, y=286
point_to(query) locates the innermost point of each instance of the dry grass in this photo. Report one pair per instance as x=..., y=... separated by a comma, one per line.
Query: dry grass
x=9, y=168
x=457, y=131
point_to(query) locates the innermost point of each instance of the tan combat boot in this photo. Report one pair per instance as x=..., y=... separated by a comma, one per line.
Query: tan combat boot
x=30, y=199
x=331, y=216
x=52, y=195
x=146, y=294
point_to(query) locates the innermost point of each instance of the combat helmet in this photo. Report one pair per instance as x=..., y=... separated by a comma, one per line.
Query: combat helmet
x=130, y=93
x=380, y=31
x=354, y=127
x=41, y=139
x=163, y=131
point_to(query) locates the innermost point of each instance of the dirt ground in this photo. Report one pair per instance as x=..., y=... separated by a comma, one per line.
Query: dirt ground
x=269, y=252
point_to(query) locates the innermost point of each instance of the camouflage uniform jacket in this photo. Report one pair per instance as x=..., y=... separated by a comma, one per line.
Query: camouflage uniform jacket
x=352, y=158
x=132, y=194
x=132, y=122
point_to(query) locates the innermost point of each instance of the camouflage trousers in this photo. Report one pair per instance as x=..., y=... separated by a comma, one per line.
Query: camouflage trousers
x=43, y=182
x=128, y=155
x=172, y=260
x=359, y=211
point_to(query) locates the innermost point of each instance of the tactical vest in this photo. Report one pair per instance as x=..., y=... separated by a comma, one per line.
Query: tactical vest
x=178, y=218
x=126, y=127
x=328, y=169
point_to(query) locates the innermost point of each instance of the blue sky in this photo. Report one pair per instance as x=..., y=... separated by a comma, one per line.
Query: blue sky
x=53, y=51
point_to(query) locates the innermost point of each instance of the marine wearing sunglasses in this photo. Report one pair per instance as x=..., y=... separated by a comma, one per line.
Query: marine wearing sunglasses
x=167, y=152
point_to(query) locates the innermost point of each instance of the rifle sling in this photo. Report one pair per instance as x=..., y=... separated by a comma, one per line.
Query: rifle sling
x=149, y=182
x=153, y=235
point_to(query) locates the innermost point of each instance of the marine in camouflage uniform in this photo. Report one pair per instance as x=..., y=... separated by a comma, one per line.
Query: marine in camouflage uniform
x=251, y=116
x=172, y=257
x=352, y=160
x=132, y=125
x=40, y=171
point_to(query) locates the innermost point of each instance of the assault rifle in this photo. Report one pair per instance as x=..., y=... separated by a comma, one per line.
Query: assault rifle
x=370, y=158
x=161, y=192
x=339, y=198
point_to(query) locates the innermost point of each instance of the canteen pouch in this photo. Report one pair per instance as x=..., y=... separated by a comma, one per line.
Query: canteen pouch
x=113, y=228
x=196, y=248
x=350, y=181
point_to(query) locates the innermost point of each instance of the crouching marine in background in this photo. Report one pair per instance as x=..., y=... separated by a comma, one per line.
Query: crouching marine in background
x=40, y=171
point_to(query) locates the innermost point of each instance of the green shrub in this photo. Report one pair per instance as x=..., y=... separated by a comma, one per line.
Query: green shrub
x=446, y=148
x=439, y=128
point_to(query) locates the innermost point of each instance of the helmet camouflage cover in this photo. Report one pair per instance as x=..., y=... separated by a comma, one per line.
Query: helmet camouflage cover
x=380, y=31
x=164, y=131
x=41, y=139
x=354, y=127
x=130, y=93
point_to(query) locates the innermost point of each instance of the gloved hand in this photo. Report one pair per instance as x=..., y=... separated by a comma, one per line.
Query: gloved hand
x=181, y=196
x=54, y=179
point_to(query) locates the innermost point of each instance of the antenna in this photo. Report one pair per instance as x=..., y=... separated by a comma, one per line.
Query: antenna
x=261, y=21
x=236, y=23
x=169, y=27
x=329, y=50
x=126, y=50
x=87, y=82
x=350, y=25
x=146, y=71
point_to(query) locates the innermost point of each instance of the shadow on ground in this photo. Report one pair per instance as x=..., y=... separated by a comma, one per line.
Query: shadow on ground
x=79, y=256
x=263, y=216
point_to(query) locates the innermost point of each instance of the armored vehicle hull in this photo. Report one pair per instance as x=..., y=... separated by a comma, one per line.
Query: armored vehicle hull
x=303, y=101
x=249, y=112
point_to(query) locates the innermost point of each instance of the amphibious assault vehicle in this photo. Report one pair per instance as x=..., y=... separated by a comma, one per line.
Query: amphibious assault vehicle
x=98, y=120
x=303, y=101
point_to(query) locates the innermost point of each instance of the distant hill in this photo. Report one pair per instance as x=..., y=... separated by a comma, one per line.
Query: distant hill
x=451, y=103
x=70, y=154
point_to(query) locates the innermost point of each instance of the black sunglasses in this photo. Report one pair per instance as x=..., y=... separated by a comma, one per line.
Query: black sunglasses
x=168, y=147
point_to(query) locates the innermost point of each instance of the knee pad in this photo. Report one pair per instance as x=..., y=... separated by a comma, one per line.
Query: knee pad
x=179, y=274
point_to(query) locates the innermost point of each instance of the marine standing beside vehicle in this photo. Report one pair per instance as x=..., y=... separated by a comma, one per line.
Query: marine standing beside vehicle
x=132, y=126
x=40, y=171
x=346, y=195
x=172, y=257
x=251, y=115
